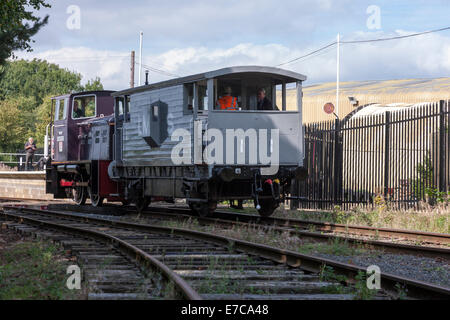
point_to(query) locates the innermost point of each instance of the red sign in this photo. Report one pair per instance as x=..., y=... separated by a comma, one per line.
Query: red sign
x=328, y=108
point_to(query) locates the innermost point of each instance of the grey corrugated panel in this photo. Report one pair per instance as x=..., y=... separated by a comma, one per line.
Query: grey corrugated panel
x=135, y=149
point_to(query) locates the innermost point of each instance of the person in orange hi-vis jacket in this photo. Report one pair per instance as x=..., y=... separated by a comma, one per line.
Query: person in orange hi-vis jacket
x=227, y=101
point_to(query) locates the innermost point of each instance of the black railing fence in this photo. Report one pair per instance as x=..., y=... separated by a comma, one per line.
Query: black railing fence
x=399, y=156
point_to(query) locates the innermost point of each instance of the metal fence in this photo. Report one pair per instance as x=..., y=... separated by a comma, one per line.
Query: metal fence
x=17, y=160
x=397, y=156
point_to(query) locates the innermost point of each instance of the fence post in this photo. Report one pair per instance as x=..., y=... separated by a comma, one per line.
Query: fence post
x=337, y=163
x=387, y=134
x=442, y=146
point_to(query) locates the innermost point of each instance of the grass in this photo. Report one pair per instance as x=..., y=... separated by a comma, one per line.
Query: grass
x=271, y=237
x=34, y=270
x=425, y=218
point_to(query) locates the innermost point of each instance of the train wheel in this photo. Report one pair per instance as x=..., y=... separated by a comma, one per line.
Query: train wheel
x=141, y=204
x=96, y=200
x=268, y=206
x=79, y=194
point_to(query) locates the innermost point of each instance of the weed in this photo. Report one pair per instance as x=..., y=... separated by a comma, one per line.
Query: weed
x=362, y=292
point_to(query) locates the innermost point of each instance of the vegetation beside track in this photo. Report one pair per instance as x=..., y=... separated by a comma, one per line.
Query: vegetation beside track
x=428, y=218
x=270, y=237
x=33, y=270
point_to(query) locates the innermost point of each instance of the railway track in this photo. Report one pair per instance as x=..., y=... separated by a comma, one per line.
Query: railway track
x=432, y=249
x=234, y=269
x=199, y=266
x=434, y=245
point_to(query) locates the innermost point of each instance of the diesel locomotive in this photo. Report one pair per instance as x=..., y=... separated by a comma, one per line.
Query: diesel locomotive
x=169, y=140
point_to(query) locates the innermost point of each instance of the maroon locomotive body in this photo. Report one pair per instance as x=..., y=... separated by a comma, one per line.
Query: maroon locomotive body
x=81, y=148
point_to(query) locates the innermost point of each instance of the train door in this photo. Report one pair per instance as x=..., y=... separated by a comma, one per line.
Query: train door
x=60, y=133
x=121, y=114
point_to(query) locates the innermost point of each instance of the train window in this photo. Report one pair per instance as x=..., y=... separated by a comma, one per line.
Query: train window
x=61, y=109
x=188, y=98
x=120, y=106
x=202, y=96
x=222, y=89
x=84, y=107
x=277, y=95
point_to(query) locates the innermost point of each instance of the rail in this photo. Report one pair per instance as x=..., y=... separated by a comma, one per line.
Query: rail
x=417, y=289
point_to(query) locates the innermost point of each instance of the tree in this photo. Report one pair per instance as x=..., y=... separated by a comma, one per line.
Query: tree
x=27, y=87
x=43, y=118
x=93, y=85
x=37, y=78
x=13, y=132
x=18, y=24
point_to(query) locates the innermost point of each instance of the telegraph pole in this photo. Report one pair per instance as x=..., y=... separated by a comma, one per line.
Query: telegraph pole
x=140, y=57
x=338, y=72
x=132, y=69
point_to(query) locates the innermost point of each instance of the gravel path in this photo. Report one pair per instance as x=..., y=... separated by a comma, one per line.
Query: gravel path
x=408, y=266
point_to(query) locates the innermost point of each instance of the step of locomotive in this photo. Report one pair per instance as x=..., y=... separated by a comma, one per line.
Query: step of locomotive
x=277, y=296
x=269, y=287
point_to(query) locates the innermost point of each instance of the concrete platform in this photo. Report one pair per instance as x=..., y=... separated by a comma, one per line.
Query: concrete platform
x=23, y=185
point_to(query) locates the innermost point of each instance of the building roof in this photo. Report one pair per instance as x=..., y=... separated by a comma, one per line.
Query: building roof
x=281, y=74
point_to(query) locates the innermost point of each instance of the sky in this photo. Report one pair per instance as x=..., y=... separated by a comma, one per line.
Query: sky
x=95, y=38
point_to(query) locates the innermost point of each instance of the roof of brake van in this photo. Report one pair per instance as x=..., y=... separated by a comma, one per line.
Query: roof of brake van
x=287, y=75
x=83, y=93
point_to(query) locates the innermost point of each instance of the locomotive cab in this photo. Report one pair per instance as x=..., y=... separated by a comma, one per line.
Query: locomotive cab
x=174, y=140
x=81, y=138
x=72, y=113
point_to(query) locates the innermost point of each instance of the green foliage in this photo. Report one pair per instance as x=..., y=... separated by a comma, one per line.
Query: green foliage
x=25, y=91
x=18, y=23
x=93, y=85
x=13, y=123
x=436, y=196
x=43, y=118
x=34, y=270
x=362, y=291
x=37, y=79
x=424, y=179
x=327, y=274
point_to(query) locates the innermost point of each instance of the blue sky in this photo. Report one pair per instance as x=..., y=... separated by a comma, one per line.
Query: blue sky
x=185, y=37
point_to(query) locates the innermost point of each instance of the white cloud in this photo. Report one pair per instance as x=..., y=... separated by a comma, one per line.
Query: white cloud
x=425, y=56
